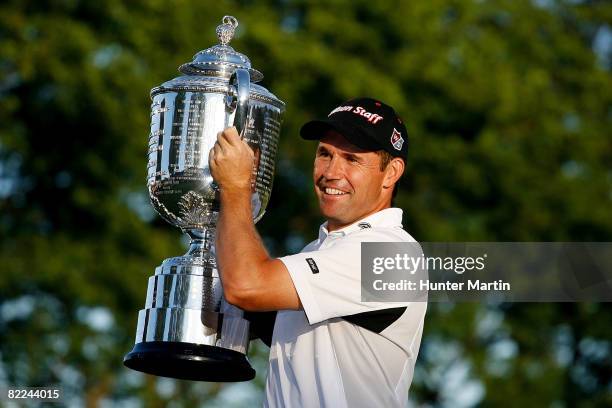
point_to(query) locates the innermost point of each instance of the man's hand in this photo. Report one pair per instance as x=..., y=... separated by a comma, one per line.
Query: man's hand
x=231, y=161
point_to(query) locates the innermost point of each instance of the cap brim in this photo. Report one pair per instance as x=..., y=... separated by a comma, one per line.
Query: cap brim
x=316, y=129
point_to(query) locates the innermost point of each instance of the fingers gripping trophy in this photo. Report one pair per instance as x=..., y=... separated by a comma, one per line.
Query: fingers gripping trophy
x=187, y=330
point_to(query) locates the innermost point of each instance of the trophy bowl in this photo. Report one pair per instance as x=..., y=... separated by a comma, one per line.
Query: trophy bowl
x=187, y=330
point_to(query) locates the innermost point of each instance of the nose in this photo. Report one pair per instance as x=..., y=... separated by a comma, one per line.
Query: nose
x=333, y=170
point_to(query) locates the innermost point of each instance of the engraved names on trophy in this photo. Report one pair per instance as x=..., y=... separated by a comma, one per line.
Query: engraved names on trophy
x=157, y=108
x=186, y=136
x=175, y=159
x=268, y=146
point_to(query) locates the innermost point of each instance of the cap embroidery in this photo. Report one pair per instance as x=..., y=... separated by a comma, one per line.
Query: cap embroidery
x=340, y=109
x=397, y=140
x=373, y=118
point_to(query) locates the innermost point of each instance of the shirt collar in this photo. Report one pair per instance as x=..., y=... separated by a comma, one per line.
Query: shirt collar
x=389, y=217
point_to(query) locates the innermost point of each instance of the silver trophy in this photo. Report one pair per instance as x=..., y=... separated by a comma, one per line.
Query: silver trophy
x=187, y=330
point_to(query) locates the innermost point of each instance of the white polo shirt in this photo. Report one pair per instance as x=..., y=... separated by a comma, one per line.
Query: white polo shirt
x=339, y=351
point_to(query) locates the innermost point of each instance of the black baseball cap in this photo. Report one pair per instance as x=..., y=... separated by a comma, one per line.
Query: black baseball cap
x=365, y=122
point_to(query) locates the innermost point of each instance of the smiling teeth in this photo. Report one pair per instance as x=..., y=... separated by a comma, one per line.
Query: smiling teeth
x=333, y=191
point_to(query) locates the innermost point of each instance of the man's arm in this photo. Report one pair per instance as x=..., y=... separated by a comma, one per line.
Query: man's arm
x=251, y=279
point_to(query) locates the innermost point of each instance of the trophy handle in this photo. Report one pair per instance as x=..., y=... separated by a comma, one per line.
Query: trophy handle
x=241, y=82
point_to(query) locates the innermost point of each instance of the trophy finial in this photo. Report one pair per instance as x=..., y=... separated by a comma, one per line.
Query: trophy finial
x=221, y=60
x=225, y=31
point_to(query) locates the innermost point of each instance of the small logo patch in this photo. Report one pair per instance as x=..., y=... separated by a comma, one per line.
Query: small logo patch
x=397, y=140
x=313, y=265
x=364, y=225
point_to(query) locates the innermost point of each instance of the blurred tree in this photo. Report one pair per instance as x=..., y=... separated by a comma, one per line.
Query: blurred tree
x=509, y=111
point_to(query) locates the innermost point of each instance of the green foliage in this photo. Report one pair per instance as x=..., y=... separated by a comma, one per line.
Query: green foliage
x=508, y=111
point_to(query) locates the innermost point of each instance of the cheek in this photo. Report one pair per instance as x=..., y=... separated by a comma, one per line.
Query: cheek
x=316, y=173
x=360, y=179
x=369, y=184
x=317, y=169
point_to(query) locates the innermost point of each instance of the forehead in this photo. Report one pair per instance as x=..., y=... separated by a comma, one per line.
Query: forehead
x=336, y=140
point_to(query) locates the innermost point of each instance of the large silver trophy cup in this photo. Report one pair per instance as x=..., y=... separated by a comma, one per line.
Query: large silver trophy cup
x=187, y=330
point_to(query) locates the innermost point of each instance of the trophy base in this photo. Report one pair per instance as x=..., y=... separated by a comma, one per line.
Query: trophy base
x=188, y=361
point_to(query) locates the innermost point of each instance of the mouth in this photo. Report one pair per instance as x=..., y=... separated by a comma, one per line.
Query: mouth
x=333, y=191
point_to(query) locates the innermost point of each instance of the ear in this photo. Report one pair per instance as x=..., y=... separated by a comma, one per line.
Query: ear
x=393, y=172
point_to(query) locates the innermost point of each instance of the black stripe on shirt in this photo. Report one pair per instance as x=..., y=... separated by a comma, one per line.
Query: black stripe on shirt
x=262, y=325
x=377, y=320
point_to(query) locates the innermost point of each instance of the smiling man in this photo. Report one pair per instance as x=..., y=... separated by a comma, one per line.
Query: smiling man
x=328, y=348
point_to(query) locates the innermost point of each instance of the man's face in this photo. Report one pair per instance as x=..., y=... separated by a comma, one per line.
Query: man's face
x=348, y=181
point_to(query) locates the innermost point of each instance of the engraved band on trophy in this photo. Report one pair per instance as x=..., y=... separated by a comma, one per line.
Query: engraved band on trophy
x=187, y=330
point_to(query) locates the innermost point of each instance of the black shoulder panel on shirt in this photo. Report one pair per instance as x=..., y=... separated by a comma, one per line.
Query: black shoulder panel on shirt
x=377, y=320
x=262, y=325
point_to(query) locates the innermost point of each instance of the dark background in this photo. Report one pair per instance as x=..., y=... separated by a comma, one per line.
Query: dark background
x=509, y=109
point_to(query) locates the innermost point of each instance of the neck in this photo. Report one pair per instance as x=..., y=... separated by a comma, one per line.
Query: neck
x=334, y=225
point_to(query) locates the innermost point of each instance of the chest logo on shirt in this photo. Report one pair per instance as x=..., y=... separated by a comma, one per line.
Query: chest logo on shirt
x=313, y=265
x=364, y=225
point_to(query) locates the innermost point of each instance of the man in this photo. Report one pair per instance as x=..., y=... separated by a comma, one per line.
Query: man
x=328, y=347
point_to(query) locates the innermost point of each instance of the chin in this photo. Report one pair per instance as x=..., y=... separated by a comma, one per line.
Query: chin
x=334, y=217
x=336, y=211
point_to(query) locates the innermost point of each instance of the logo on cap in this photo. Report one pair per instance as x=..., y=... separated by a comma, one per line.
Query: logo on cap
x=397, y=140
x=373, y=118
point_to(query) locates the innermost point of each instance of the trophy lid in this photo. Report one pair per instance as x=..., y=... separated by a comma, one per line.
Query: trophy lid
x=221, y=59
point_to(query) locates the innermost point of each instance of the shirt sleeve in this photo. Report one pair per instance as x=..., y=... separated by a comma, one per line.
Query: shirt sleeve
x=328, y=281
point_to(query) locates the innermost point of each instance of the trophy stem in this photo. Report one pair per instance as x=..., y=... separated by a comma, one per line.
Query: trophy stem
x=202, y=242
